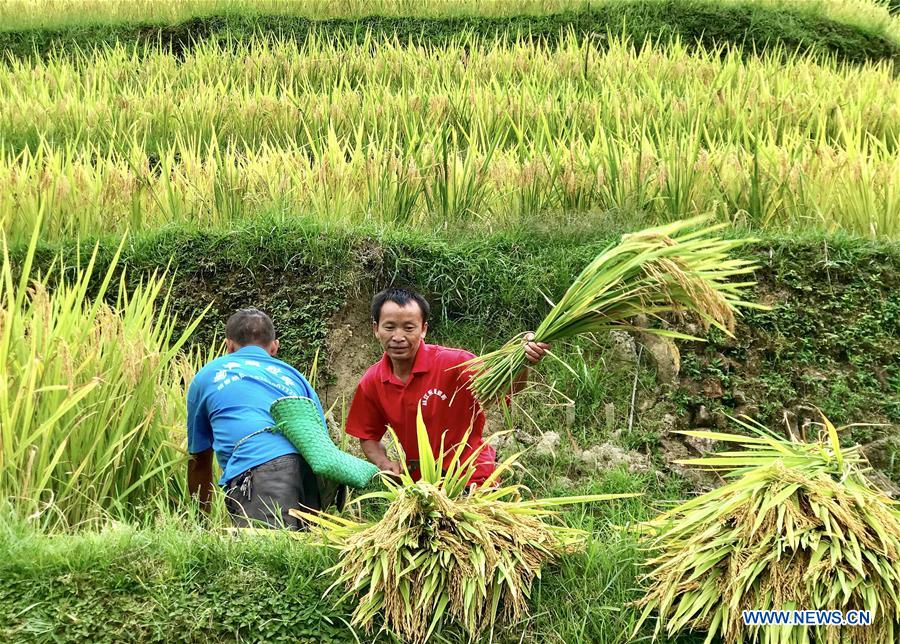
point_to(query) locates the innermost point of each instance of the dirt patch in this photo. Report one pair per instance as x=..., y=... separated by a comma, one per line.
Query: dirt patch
x=351, y=349
x=674, y=450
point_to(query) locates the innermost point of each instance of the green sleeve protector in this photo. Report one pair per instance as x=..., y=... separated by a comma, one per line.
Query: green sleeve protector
x=299, y=420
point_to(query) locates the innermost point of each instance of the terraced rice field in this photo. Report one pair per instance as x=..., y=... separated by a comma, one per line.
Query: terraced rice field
x=474, y=134
x=165, y=163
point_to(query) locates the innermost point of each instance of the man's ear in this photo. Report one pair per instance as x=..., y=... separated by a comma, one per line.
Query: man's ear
x=424, y=328
x=375, y=328
x=230, y=346
x=273, y=347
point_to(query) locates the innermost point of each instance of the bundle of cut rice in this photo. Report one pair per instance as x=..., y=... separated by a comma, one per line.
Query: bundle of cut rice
x=798, y=527
x=444, y=552
x=676, y=268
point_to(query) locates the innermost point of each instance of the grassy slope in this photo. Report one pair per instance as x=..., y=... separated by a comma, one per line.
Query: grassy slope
x=830, y=341
x=178, y=583
x=752, y=25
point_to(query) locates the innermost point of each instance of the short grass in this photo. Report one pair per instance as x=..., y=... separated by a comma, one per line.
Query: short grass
x=171, y=580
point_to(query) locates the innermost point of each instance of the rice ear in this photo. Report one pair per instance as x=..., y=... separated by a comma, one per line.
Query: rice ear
x=796, y=527
x=471, y=558
x=676, y=268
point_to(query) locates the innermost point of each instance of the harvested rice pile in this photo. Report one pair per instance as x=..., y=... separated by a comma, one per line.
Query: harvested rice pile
x=444, y=553
x=798, y=527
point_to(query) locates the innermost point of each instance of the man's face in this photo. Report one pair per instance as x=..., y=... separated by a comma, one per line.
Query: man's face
x=400, y=330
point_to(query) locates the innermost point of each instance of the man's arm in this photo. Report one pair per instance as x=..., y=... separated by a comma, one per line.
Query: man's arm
x=199, y=443
x=366, y=421
x=377, y=455
x=200, y=477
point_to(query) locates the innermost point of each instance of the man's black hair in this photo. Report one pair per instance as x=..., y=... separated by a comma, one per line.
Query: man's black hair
x=402, y=297
x=250, y=326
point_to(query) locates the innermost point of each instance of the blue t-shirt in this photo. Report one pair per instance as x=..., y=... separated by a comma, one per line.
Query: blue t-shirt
x=230, y=397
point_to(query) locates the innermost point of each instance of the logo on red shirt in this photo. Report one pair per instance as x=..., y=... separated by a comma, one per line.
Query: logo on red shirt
x=433, y=392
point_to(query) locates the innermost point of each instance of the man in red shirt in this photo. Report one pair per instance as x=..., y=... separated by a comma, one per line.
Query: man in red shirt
x=412, y=374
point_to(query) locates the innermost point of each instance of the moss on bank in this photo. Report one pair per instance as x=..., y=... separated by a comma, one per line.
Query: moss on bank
x=830, y=341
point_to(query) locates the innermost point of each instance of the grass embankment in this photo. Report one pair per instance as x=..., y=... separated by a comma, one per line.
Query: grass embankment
x=173, y=582
x=18, y=14
x=475, y=134
x=853, y=31
x=830, y=341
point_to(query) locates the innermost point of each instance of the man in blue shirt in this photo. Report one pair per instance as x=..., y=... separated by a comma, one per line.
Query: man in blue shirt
x=228, y=407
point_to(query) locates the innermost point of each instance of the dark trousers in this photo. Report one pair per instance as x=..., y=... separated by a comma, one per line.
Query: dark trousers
x=262, y=496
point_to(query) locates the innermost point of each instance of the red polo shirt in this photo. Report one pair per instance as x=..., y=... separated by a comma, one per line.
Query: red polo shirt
x=448, y=406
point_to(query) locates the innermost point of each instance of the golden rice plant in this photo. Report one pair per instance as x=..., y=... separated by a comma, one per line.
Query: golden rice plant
x=87, y=424
x=85, y=195
x=446, y=554
x=257, y=91
x=348, y=131
x=676, y=268
x=797, y=526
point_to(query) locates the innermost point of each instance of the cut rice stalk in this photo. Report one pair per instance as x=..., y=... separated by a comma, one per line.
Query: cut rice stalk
x=798, y=527
x=471, y=554
x=676, y=268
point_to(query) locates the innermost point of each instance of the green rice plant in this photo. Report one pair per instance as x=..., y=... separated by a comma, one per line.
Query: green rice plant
x=445, y=554
x=676, y=268
x=797, y=526
x=84, y=195
x=456, y=189
x=475, y=133
x=88, y=423
x=245, y=93
x=394, y=192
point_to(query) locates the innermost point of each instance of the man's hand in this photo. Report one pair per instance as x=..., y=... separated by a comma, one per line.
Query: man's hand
x=377, y=455
x=391, y=469
x=534, y=351
x=388, y=466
